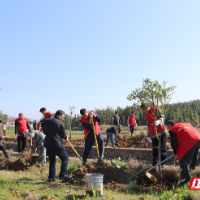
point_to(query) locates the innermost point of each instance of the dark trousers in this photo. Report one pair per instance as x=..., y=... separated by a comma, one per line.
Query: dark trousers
x=89, y=143
x=192, y=154
x=21, y=140
x=131, y=130
x=52, y=152
x=2, y=148
x=163, y=149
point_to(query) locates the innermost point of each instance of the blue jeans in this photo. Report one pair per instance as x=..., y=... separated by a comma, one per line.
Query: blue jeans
x=110, y=136
x=62, y=154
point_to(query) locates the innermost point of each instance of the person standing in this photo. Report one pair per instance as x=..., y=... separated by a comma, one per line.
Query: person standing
x=46, y=115
x=31, y=126
x=185, y=141
x=54, y=129
x=2, y=148
x=110, y=131
x=131, y=121
x=86, y=121
x=151, y=113
x=35, y=125
x=116, y=121
x=21, y=128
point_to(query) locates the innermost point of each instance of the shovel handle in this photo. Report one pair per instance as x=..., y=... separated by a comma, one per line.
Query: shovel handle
x=95, y=138
x=74, y=150
x=160, y=163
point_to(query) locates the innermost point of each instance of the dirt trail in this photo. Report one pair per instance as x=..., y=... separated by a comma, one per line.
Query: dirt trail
x=113, y=177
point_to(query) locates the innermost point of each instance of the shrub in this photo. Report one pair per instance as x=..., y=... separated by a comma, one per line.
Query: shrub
x=118, y=163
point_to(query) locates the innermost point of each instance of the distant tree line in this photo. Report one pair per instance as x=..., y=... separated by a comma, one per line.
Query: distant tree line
x=180, y=112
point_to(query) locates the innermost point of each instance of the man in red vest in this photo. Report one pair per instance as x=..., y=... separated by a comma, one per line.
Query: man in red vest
x=152, y=112
x=86, y=121
x=131, y=121
x=21, y=129
x=185, y=141
x=47, y=115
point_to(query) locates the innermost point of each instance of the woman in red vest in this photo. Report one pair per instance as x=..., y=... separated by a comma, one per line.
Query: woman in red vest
x=21, y=128
x=86, y=121
x=131, y=121
x=151, y=113
x=185, y=141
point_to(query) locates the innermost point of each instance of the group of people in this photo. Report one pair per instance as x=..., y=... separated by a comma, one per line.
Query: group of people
x=49, y=134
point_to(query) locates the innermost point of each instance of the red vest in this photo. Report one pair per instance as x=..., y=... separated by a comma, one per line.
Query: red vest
x=47, y=115
x=150, y=118
x=45, y=118
x=187, y=137
x=131, y=120
x=96, y=125
x=22, y=125
x=38, y=126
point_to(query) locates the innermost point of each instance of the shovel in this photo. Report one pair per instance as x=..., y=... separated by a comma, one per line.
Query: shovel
x=76, y=152
x=147, y=172
x=95, y=138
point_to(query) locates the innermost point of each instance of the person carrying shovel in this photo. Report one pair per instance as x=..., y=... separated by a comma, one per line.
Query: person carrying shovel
x=154, y=113
x=88, y=119
x=185, y=141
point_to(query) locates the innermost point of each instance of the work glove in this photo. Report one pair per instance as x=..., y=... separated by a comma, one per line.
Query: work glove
x=149, y=140
x=159, y=122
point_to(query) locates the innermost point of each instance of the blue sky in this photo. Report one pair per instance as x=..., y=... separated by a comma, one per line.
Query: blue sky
x=94, y=53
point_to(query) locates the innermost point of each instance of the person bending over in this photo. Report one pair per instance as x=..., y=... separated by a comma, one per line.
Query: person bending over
x=86, y=121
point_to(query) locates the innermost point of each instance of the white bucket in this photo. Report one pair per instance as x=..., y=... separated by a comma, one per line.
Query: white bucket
x=96, y=181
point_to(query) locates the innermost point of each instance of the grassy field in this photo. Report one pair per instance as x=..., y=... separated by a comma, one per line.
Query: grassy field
x=32, y=184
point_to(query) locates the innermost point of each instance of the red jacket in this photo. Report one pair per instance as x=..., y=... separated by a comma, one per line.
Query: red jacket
x=22, y=125
x=150, y=118
x=187, y=137
x=132, y=120
x=86, y=121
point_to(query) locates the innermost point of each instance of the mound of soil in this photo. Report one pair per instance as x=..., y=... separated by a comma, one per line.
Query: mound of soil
x=135, y=142
x=113, y=177
x=168, y=179
x=23, y=163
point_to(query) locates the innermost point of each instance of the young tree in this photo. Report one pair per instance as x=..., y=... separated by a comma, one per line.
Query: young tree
x=154, y=95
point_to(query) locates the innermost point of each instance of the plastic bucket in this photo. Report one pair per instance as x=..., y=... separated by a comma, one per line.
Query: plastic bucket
x=94, y=181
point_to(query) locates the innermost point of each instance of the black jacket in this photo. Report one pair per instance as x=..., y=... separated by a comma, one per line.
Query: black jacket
x=112, y=130
x=54, y=130
x=34, y=126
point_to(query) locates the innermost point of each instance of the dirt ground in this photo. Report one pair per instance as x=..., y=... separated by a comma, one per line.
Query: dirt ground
x=123, y=142
x=113, y=177
x=23, y=163
x=137, y=142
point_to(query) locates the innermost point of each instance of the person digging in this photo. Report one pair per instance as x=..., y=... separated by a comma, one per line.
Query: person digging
x=151, y=113
x=38, y=138
x=2, y=148
x=87, y=120
x=185, y=141
x=110, y=132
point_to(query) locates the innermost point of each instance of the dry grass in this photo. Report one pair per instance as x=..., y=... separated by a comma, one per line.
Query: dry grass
x=137, y=165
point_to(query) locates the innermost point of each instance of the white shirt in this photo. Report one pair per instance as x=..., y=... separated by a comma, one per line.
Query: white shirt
x=4, y=127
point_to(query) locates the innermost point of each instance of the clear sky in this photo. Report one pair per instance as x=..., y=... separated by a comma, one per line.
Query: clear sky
x=94, y=53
